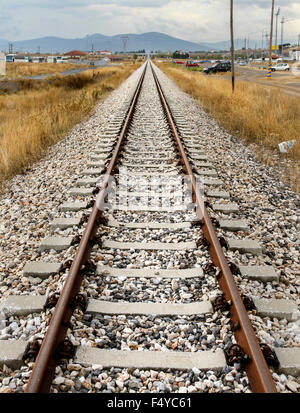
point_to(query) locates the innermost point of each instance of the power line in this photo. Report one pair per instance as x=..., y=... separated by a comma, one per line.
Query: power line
x=283, y=20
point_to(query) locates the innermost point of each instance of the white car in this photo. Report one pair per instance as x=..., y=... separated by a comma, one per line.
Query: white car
x=281, y=66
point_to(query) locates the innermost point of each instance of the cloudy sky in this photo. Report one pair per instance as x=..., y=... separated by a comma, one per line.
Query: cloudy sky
x=194, y=20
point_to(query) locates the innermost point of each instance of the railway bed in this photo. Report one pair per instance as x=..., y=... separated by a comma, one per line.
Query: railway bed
x=150, y=314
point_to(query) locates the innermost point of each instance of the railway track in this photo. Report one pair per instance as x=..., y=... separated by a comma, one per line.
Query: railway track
x=148, y=260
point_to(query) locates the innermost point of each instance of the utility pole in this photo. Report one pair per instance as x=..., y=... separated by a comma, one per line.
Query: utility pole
x=232, y=44
x=266, y=46
x=124, y=40
x=87, y=42
x=93, y=60
x=281, y=41
x=271, y=40
x=283, y=20
x=247, y=48
x=263, y=34
x=267, y=39
x=277, y=14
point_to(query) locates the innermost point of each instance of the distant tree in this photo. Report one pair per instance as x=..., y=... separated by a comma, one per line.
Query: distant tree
x=179, y=55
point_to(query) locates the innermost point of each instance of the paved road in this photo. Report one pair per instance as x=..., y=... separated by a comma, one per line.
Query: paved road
x=286, y=82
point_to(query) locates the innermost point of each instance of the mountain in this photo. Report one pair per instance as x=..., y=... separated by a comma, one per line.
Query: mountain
x=3, y=44
x=149, y=41
x=217, y=45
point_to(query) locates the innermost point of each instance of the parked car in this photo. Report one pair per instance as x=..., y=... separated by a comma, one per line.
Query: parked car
x=218, y=67
x=191, y=64
x=177, y=62
x=281, y=66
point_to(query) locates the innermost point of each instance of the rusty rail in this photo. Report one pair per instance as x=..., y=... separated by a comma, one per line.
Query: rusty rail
x=44, y=367
x=257, y=370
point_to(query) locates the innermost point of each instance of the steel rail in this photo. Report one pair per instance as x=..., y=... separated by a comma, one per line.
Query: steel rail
x=44, y=368
x=259, y=375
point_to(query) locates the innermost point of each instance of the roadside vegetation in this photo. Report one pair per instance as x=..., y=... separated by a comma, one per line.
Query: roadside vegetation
x=254, y=113
x=15, y=70
x=195, y=69
x=42, y=112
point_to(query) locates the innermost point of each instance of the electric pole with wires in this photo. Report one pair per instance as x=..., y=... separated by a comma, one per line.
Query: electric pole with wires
x=277, y=14
x=232, y=44
x=124, y=41
x=271, y=42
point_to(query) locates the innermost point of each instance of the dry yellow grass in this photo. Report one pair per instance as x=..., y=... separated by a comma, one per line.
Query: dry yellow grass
x=254, y=113
x=18, y=69
x=31, y=120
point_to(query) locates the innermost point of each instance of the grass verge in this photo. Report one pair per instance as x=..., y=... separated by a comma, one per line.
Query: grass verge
x=41, y=113
x=254, y=113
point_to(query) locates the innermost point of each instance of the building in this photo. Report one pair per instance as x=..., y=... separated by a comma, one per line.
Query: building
x=295, y=54
x=10, y=58
x=62, y=59
x=20, y=58
x=103, y=52
x=14, y=57
x=116, y=58
x=53, y=59
x=76, y=54
x=38, y=59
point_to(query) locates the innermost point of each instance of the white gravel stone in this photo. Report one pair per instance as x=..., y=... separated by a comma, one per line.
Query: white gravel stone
x=32, y=200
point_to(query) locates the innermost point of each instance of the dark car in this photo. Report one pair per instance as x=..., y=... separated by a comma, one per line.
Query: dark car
x=218, y=67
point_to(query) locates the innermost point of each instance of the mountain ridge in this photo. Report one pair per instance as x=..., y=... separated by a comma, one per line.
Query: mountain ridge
x=150, y=41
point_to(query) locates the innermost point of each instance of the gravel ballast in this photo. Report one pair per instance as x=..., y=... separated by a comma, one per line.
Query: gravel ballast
x=30, y=203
